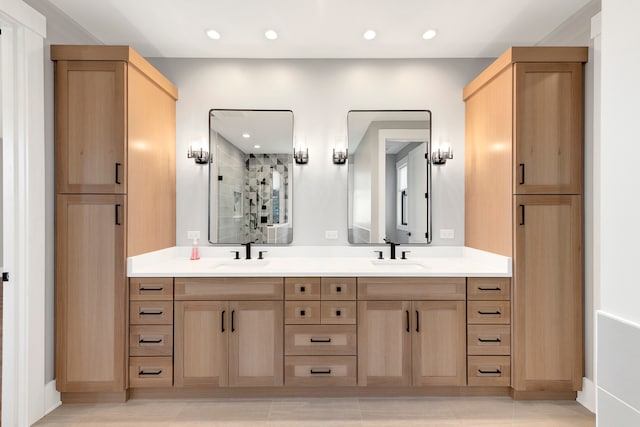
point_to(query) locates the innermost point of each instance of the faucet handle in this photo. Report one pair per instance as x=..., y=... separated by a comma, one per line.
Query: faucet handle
x=379, y=254
x=237, y=254
x=260, y=254
x=404, y=254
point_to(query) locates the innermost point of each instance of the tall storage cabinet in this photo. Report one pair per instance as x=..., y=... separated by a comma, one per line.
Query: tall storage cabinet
x=115, y=185
x=523, y=199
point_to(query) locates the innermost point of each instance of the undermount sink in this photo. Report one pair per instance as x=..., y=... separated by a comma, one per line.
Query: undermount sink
x=398, y=264
x=243, y=264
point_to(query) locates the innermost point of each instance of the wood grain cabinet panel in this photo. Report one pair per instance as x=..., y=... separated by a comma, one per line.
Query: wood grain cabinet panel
x=151, y=340
x=302, y=288
x=488, y=288
x=488, y=340
x=150, y=372
x=320, y=340
x=338, y=288
x=338, y=312
x=301, y=312
x=316, y=371
x=489, y=371
x=489, y=312
x=151, y=288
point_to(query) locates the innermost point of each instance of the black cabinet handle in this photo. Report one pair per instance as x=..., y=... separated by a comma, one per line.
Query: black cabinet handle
x=338, y=289
x=497, y=372
x=302, y=313
x=320, y=339
x=151, y=313
x=521, y=165
x=233, y=318
x=143, y=372
x=118, y=214
x=338, y=313
x=118, y=173
x=320, y=371
x=417, y=321
x=489, y=340
x=489, y=312
x=222, y=319
x=302, y=289
x=144, y=341
x=143, y=289
x=490, y=289
x=521, y=214
x=408, y=321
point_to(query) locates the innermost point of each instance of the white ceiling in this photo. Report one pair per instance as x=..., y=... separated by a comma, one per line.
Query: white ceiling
x=320, y=28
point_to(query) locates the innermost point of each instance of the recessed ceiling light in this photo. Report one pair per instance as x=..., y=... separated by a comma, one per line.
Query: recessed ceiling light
x=429, y=34
x=271, y=34
x=369, y=35
x=246, y=135
x=256, y=146
x=213, y=34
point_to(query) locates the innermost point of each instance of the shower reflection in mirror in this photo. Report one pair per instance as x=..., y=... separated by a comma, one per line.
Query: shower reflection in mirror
x=250, y=185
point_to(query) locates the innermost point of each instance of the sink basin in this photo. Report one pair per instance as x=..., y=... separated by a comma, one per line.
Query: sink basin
x=398, y=264
x=244, y=264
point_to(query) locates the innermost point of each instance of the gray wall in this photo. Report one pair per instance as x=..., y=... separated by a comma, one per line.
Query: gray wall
x=320, y=93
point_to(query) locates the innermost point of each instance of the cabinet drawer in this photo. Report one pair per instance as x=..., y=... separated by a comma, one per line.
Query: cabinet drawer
x=489, y=371
x=151, y=288
x=320, y=340
x=151, y=340
x=488, y=312
x=488, y=288
x=151, y=312
x=310, y=371
x=301, y=312
x=228, y=288
x=338, y=312
x=488, y=340
x=150, y=372
x=302, y=288
x=338, y=288
x=412, y=288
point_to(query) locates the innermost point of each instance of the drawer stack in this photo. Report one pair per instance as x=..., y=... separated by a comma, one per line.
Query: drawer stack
x=320, y=331
x=150, y=332
x=489, y=331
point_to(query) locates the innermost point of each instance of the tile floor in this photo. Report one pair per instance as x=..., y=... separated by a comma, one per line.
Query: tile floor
x=321, y=412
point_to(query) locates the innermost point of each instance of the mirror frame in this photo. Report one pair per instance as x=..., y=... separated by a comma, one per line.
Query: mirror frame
x=211, y=162
x=428, y=187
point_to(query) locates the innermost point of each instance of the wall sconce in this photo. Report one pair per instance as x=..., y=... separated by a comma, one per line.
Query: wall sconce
x=340, y=155
x=301, y=156
x=441, y=154
x=200, y=157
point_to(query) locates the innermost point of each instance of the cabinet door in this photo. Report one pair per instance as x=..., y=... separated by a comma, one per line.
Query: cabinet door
x=384, y=343
x=256, y=343
x=548, y=293
x=90, y=126
x=90, y=293
x=201, y=343
x=548, y=128
x=439, y=343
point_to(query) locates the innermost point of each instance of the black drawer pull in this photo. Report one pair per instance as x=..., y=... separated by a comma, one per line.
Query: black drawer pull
x=489, y=340
x=144, y=341
x=320, y=340
x=497, y=288
x=233, y=320
x=302, y=289
x=117, y=173
x=320, y=371
x=302, y=313
x=489, y=312
x=417, y=321
x=521, y=165
x=151, y=313
x=338, y=289
x=142, y=372
x=338, y=313
x=408, y=321
x=159, y=288
x=222, y=321
x=495, y=372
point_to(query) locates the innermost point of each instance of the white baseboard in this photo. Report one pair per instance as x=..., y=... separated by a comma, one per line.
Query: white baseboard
x=587, y=397
x=51, y=397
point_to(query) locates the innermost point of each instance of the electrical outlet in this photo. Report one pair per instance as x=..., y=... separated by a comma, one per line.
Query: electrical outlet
x=331, y=234
x=446, y=233
x=191, y=235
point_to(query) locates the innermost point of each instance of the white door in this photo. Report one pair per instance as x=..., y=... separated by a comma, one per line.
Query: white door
x=417, y=184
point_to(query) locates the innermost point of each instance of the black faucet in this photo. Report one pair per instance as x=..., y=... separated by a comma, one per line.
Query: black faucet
x=247, y=250
x=393, y=247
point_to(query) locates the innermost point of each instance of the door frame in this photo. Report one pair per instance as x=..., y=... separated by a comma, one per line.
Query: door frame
x=25, y=395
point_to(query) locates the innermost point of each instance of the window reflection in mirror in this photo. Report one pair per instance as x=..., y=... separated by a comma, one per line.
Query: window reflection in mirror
x=389, y=194
x=250, y=176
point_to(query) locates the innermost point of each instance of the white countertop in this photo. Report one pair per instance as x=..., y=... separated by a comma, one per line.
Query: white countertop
x=296, y=261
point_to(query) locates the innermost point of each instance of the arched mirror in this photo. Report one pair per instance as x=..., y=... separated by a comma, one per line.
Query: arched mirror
x=251, y=176
x=389, y=176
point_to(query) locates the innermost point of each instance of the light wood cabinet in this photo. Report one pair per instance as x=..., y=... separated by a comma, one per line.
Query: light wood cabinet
x=228, y=343
x=115, y=184
x=523, y=186
x=418, y=343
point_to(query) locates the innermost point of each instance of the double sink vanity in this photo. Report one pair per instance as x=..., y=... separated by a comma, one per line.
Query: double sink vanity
x=304, y=319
